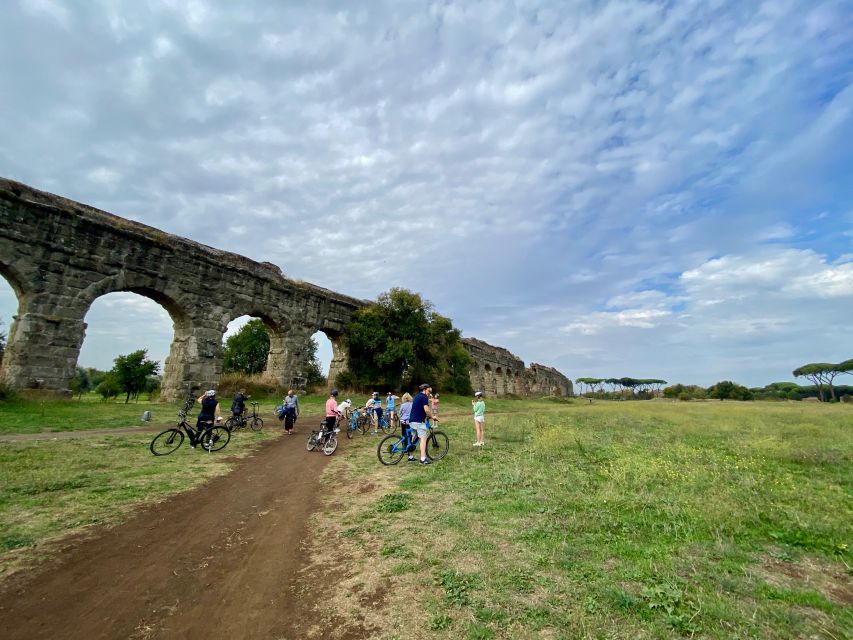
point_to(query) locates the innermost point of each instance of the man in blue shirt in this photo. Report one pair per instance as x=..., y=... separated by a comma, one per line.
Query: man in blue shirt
x=421, y=410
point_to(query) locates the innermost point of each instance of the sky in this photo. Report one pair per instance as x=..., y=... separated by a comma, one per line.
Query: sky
x=651, y=189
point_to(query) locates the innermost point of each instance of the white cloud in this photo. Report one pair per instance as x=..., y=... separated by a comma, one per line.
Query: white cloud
x=631, y=164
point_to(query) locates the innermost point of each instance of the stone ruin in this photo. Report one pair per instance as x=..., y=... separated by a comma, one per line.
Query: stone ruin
x=497, y=372
x=59, y=256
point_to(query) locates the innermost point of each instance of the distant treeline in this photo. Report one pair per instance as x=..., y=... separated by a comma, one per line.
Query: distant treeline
x=647, y=388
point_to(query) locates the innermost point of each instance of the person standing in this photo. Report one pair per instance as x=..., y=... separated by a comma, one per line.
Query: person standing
x=376, y=406
x=479, y=417
x=390, y=407
x=331, y=411
x=405, y=413
x=435, y=403
x=291, y=411
x=209, y=412
x=421, y=411
x=238, y=405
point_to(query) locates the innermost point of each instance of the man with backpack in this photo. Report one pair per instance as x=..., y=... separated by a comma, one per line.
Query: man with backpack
x=289, y=411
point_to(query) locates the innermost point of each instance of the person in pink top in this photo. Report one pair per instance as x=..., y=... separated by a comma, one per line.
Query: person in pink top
x=331, y=410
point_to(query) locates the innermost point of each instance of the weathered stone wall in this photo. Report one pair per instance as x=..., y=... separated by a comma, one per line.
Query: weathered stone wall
x=497, y=372
x=59, y=256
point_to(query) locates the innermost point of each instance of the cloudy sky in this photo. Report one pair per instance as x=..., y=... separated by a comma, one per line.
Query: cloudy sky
x=614, y=188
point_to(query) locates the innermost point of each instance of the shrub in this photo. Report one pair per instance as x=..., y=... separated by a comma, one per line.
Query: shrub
x=847, y=399
x=8, y=394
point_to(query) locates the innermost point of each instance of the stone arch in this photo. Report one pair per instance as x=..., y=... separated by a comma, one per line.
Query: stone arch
x=181, y=347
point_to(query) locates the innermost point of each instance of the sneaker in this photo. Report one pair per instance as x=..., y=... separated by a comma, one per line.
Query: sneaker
x=412, y=459
x=476, y=444
x=427, y=461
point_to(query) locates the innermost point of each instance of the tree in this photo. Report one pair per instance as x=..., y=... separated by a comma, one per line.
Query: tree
x=131, y=372
x=247, y=350
x=401, y=341
x=81, y=382
x=823, y=373
x=2, y=341
x=728, y=390
x=313, y=372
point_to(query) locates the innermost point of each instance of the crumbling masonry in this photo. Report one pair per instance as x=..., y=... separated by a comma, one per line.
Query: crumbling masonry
x=59, y=256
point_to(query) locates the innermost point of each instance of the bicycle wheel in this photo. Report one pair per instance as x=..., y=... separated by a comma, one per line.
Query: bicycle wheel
x=351, y=431
x=256, y=424
x=395, y=422
x=233, y=423
x=312, y=441
x=216, y=439
x=165, y=443
x=437, y=445
x=330, y=445
x=390, y=450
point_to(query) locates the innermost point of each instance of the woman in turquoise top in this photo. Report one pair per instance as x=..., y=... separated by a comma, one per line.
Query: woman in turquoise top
x=479, y=417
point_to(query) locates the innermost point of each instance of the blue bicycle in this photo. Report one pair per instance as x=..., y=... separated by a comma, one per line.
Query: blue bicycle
x=358, y=421
x=391, y=449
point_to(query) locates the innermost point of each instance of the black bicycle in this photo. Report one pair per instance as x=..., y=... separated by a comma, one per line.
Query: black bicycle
x=254, y=421
x=168, y=441
x=391, y=448
x=327, y=441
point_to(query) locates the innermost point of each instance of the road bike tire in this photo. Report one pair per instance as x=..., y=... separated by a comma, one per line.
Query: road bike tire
x=312, y=441
x=166, y=442
x=330, y=445
x=390, y=450
x=215, y=439
x=438, y=444
x=256, y=424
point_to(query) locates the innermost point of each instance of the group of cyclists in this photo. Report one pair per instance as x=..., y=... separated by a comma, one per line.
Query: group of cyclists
x=413, y=412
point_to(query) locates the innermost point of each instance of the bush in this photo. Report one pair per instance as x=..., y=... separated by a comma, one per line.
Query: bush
x=684, y=396
x=847, y=399
x=8, y=394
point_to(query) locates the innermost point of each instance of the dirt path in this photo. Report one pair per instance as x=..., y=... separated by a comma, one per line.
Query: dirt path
x=216, y=562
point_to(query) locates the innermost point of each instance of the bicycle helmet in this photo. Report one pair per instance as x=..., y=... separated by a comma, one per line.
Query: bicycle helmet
x=210, y=393
x=333, y=392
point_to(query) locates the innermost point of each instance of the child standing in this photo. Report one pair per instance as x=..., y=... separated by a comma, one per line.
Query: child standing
x=479, y=417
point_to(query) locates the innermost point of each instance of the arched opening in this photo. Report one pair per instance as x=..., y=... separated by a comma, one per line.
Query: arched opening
x=8, y=311
x=119, y=324
x=324, y=352
x=246, y=346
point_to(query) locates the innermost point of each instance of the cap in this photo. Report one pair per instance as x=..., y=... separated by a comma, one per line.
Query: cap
x=424, y=386
x=478, y=393
x=333, y=392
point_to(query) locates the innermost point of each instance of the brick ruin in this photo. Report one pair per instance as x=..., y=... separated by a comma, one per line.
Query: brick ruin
x=498, y=372
x=59, y=256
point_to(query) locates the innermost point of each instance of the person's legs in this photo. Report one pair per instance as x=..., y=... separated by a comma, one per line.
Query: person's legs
x=476, y=432
x=480, y=437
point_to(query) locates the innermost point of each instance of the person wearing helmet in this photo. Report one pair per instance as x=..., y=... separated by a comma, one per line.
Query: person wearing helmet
x=209, y=412
x=421, y=411
x=331, y=411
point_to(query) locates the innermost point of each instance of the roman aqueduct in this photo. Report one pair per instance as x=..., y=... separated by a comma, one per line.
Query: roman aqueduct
x=59, y=256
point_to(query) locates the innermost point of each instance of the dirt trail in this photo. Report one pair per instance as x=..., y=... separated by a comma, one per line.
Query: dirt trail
x=216, y=562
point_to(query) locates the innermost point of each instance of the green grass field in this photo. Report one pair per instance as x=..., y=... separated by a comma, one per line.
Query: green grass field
x=611, y=520
x=605, y=520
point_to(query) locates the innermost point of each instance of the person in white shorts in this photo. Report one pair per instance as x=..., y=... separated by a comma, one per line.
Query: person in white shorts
x=479, y=417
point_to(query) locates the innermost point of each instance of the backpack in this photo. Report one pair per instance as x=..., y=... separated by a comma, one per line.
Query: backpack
x=279, y=411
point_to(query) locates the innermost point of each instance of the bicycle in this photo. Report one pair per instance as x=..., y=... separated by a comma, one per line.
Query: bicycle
x=254, y=421
x=168, y=441
x=326, y=440
x=391, y=449
x=355, y=422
